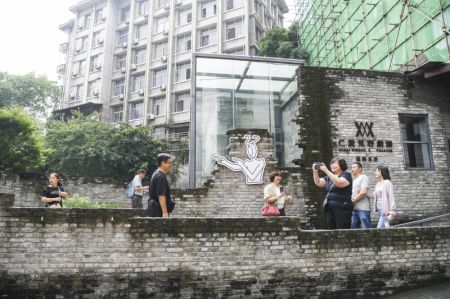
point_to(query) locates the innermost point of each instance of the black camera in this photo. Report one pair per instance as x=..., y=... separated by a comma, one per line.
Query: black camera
x=317, y=166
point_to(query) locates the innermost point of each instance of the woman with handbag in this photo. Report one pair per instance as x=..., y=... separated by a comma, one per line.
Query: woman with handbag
x=274, y=197
x=384, y=200
x=53, y=194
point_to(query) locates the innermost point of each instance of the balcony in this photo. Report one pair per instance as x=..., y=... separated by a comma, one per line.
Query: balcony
x=63, y=48
x=172, y=137
x=61, y=69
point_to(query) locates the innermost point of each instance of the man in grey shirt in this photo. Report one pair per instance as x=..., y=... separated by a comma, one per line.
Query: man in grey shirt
x=136, y=201
x=361, y=202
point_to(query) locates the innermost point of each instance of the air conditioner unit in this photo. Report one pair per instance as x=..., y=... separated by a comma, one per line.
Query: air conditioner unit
x=77, y=50
x=163, y=87
x=133, y=67
x=164, y=59
x=178, y=3
x=167, y=7
x=72, y=96
x=121, y=97
x=80, y=27
x=166, y=32
x=150, y=116
x=127, y=22
x=124, y=45
x=95, y=93
x=136, y=41
x=74, y=74
x=98, y=67
x=141, y=92
x=100, y=42
x=123, y=70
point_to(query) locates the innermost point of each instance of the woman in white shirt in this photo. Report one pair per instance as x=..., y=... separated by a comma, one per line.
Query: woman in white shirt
x=274, y=193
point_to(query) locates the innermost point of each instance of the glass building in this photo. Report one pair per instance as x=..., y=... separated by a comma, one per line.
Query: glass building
x=232, y=92
x=386, y=35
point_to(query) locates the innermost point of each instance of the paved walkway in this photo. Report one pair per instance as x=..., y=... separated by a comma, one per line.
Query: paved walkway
x=439, y=291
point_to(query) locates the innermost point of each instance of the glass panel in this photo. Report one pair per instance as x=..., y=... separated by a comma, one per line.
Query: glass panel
x=417, y=155
x=242, y=94
x=414, y=128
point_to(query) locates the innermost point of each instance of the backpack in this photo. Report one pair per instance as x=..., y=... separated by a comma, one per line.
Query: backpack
x=129, y=191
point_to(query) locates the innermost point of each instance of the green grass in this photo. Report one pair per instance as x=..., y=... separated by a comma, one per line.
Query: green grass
x=83, y=202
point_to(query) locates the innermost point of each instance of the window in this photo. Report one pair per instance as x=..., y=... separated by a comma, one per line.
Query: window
x=76, y=92
x=183, y=43
x=81, y=44
x=208, y=8
x=99, y=18
x=161, y=3
x=117, y=114
x=184, y=17
x=92, y=89
x=448, y=154
x=84, y=21
x=258, y=34
x=94, y=64
x=159, y=77
x=182, y=102
x=80, y=67
x=232, y=4
x=142, y=31
x=138, y=82
x=234, y=29
x=183, y=72
x=124, y=14
x=207, y=37
x=97, y=39
x=142, y=8
x=160, y=50
x=159, y=106
x=161, y=24
x=121, y=61
x=119, y=87
x=140, y=56
x=122, y=36
x=136, y=110
x=416, y=141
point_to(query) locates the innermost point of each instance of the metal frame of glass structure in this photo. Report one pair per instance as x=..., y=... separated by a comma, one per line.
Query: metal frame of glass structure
x=388, y=35
x=240, y=92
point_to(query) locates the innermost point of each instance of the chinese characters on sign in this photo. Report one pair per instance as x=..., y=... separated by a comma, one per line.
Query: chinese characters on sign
x=365, y=144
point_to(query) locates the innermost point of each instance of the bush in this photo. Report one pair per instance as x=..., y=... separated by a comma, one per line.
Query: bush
x=83, y=202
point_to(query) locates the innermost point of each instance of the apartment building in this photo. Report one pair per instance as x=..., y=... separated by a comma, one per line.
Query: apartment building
x=131, y=59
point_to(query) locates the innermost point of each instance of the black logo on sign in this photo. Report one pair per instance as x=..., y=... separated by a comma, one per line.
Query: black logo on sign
x=364, y=129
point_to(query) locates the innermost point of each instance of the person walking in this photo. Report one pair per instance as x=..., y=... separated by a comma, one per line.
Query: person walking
x=160, y=203
x=384, y=200
x=361, y=202
x=136, y=200
x=338, y=205
x=53, y=194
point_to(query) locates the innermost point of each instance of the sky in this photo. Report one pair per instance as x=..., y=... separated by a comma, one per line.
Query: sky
x=31, y=38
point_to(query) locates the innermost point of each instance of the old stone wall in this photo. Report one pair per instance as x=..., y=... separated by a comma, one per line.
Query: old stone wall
x=113, y=254
x=333, y=100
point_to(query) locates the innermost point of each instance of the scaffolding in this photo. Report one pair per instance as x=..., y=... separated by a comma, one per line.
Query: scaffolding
x=388, y=35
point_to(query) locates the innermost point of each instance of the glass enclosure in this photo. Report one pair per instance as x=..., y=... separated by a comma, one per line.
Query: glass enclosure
x=241, y=92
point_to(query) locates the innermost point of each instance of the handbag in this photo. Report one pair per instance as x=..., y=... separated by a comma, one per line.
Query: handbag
x=270, y=210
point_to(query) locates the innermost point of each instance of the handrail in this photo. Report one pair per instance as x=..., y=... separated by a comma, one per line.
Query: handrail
x=421, y=221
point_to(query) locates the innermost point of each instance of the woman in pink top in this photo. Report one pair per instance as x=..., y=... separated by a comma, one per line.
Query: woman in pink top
x=384, y=200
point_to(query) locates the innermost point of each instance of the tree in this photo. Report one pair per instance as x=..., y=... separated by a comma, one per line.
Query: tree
x=283, y=43
x=21, y=144
x=91, y=147
x=36, y=93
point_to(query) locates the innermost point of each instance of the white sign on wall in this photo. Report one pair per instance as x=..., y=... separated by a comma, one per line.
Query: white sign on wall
x=253, y=167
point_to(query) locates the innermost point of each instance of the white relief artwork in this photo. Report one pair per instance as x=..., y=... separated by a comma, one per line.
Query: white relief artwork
x=253, y=167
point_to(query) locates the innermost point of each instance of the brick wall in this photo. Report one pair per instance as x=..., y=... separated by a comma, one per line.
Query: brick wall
x=109, y=253
x=334, y=99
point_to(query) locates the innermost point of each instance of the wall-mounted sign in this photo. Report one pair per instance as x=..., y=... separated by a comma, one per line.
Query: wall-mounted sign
x=253, y=167
x=365, y=144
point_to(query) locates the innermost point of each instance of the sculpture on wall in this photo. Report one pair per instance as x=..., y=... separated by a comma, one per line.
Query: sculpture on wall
x=253, y=168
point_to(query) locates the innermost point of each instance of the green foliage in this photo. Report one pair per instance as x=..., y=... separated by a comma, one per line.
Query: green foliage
x=21, y=145
x=83, y=202
x=91, y=147
x=36, y=93
x=282, y=43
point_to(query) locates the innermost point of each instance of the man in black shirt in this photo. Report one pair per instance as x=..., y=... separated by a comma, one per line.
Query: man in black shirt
x=160, y=203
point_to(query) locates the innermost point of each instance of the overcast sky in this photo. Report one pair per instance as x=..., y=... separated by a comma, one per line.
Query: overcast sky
x=30, y=34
